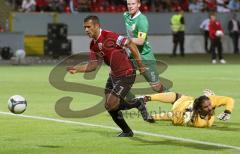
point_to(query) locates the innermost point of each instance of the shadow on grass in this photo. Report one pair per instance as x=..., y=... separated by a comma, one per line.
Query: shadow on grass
x=11, y=139
x=224, y=128
x=50, y=146
x=140, y=141
x=104, y=133
x=177, y=143
x=229, y=123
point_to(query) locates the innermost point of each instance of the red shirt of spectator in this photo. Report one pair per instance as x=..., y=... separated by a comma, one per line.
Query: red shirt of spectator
x=184, y=4
x=41, y=3
x=213, y=27
x=211, y=4
x=1, y=29
x=176, y=6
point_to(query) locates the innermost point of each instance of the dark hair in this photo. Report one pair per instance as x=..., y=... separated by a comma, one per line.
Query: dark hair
x=197, y=106
x=94, y=19
x=211, y=14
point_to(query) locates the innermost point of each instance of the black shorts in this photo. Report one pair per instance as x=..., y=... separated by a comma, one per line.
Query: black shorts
x=119, y=86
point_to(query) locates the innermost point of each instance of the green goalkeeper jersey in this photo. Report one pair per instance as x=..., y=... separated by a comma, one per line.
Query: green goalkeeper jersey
x=137, y=27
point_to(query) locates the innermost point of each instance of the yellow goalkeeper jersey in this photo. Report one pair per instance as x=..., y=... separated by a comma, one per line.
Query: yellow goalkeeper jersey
x=185, y=102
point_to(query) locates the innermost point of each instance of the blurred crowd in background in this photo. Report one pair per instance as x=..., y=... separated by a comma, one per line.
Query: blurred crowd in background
x=74, y=6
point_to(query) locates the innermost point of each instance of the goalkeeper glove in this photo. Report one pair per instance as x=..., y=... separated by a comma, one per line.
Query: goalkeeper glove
x=208, y=92
x=225, y=115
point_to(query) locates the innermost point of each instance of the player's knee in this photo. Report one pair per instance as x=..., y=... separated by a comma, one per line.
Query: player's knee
x=111, y=105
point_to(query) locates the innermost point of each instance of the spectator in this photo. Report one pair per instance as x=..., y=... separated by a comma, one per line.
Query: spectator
x=177, y=25
x=73, y=4
x=234, y=5
x=158, y=5
x=196, y=6
x=234, y=29
x=28, y=5
x=162, y=5
x=205, y=27
x=1, y=29
x=184, y=4
x=56, y=5
x=16, y=4
x=221, y=6
x=118, y=2
x=216, y=42
x=155, y=5
x=210, y=5
x=175, y=6
x=84, y=5
x=42, y=5
x=102, y=2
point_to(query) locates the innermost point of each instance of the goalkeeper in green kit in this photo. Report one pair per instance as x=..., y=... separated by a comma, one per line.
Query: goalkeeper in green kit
x=137, y=28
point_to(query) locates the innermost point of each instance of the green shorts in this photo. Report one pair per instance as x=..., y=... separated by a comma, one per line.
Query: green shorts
x=151, y=75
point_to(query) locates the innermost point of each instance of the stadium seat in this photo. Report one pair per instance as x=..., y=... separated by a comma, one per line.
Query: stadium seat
x=94, y=3
x=97, y=9
x=101, y=9
x=144, y=8
x=111, y=8
x=67, y=9
x=121, y=8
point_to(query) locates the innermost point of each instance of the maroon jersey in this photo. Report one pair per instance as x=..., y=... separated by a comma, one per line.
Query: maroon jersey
x=109, y=47
x=213, y=27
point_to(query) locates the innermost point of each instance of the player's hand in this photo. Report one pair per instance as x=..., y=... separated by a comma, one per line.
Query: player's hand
x=224, y=116
x=142, y=69
x=71, y=69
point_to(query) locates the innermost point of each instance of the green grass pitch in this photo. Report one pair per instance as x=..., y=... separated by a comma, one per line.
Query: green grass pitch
x=20, y=135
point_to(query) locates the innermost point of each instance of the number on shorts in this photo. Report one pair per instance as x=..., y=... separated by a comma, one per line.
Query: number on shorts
x=120, y=91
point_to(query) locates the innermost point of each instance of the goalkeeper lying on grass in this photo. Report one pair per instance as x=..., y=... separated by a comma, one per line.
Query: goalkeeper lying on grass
x=188, y=111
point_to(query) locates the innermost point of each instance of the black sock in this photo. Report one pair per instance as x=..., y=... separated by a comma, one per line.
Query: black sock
x=119, y=120
x=124, y=105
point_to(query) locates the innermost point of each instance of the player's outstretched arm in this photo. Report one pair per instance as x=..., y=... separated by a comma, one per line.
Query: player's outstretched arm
x=227, y=102
x=89, y=67
x=134, y=50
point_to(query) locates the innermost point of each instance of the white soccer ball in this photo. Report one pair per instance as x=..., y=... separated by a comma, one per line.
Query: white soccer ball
x=20, y=54
x=17, y=104
x=219, y=33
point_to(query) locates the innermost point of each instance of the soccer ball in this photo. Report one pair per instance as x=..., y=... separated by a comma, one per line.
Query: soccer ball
x=20, y=54
x=17, y=104
x=219, y=33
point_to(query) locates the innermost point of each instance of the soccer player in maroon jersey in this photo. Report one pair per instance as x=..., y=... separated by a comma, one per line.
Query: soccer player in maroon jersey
x=109, y=47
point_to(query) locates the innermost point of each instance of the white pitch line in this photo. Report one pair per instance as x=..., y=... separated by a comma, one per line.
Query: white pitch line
x=135, y=131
